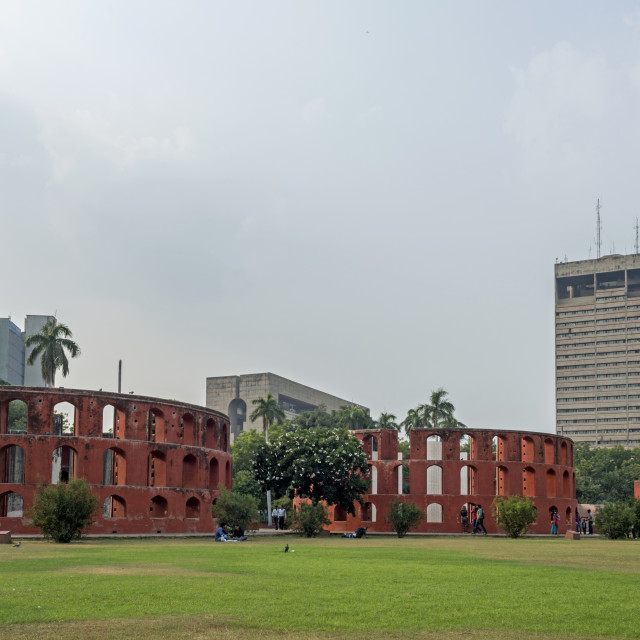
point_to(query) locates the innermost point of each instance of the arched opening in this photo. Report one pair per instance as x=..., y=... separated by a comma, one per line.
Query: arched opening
x=551, y=490
x=549, y=453
x=501, y=449
x=370, y=447
x=210, y=434
x=227, y=474
x=567, y=517
x=63, y=464
x=192, y=509
x=367, y=512
x=502, y=476
x=158, y=507
x=155, y=426
x=114, y=467
x=527, y=449
x=406, y=480
x=563, y=454
x=237, y=413
x=109, y=421
x=339, y=514
x=566, y=485
x=434, y=448
x=157, y=469
x=187, y=429
x=17, y=417
x=465, y=447
x=373, y=474
x=11, y=505
x=434, y=479
x=434, y=513
x=214, y=473
x=64, y=419
x=114, y=507
x=12, y=462
x=224, y=437
x=468, y=480
x=189, y=471
x=528, y=482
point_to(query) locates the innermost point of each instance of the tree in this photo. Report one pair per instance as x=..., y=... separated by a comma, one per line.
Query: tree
x=320, y=464
x=319, y=417
x=439, y=411
x=614, y=520
x=514, y=515
x=50, y=345
x=412, y=421
x=234, y=508
x=353, y=418
x=309, y=519
x=244, y=480
x=17, y=418
x=403, y=516
x=388, y=421
x=270, y=411
x=62, y=511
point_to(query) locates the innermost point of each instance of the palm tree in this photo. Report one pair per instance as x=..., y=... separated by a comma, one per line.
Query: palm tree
x=270, y=411
x=440, y=410
x=353, y=418
x=388, y=421
x=50, y=345
x=412, y=421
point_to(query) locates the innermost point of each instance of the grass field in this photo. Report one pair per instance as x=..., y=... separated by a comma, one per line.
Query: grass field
x=329, y=588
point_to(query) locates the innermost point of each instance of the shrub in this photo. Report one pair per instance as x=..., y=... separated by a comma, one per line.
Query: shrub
x=309, y=519
x=62, y=510
x=235, y=508
x=403, y=516
x=613, y=520
x=514, y=515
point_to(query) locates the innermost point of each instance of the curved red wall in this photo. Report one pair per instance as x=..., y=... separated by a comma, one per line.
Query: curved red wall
x=169, y=459
x=536, y=464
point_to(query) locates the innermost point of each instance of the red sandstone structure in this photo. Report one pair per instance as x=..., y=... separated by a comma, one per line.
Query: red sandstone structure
x=448, y=468
x=155, y=465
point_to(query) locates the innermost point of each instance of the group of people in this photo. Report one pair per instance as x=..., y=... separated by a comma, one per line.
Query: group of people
x=278, y=516
x=223, y=534
x=584, y=522
x=477, y=519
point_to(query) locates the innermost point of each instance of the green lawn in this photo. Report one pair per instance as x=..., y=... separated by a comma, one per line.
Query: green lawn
x=329, y=588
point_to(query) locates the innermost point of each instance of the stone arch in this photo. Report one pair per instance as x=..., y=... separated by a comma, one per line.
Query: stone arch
x=63, y=464
x=156, y=429
x=434, y=479
x=158, y=507
x=192, y=508
x=214, y=473
x=11, y=505
x=466, y=447
x=65, y=419
x=564, y=455
x=501, y=449
x=367, y=512
x=468, y=480
x=210, y=434
x=435, y=513
x=405, y=476
x=227, y=474
x=373, y=474
x=339, y=514
x=187, y=429
x=157, y=470
x=12, y=464
x=528, y=482
x=502, y=477
x=527, y=451
x=109, y=421
x=114, y=507
x=189, y=471
x=224, y=437
x=237, y=413
x=17, y=417
x=551, y=490
x=370, y=446
x=434, y=447
x=549, y=451
x=114, y=467
x=566, y=485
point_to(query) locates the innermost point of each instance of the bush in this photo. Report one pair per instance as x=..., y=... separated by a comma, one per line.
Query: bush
x=614, y=520
x=514, y=515
x=403, y=516
x=235, y=508
x=62, y=510
x=309, y=519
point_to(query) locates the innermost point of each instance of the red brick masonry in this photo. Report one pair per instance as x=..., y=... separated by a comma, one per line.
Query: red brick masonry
x=157, y=472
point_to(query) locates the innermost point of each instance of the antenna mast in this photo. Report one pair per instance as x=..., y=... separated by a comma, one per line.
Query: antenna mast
x=598, y=227
x=636, y=245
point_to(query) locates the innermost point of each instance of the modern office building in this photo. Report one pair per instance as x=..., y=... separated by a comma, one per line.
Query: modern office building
x=234, y=396
x=13, y=354
x=597, y=328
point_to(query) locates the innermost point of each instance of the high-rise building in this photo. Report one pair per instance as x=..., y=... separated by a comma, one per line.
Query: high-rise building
x=597, y=327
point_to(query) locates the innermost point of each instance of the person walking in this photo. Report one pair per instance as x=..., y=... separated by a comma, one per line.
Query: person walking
x=590, y=521
x=464, y=518
x=480, y=520
x=554, y=523
x=274, y=517
x=578, y=527
x=474, y=519
x=282, y=514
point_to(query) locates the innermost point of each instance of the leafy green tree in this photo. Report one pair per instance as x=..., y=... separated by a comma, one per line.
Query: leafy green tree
x=353, y=418
x=318, y=418
x=412, y=421
x=613, y=520
x=63, y=511
x=4, y=383
x=514, y=514
x=309, y=519
x=17, y=416
x=439, y=412
x=388, y=421
x=51, y=345
x=245, y=483
x=403, y=516
x=235, y=508
x=320, y=464
x=244, y=480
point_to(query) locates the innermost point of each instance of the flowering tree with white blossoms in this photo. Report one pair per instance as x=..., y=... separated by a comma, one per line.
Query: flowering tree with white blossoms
x=318, y=464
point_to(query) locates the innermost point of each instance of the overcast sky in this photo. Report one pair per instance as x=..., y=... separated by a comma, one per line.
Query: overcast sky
x=365, y=197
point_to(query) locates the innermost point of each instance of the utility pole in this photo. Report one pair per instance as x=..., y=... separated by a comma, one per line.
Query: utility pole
x=598, y=226
x=119, y=376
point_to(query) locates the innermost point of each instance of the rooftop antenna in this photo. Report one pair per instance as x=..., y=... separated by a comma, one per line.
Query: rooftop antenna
x=636, y=244
x=598, y=243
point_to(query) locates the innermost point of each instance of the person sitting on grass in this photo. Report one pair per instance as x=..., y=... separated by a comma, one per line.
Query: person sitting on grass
x=238, y=533
x=221, y=534
x=360, y=532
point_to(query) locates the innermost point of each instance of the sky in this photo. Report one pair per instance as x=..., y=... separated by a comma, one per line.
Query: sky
x=365, y=197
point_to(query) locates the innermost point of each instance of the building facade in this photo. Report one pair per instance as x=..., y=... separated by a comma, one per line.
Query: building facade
x=597, y=355
x=154, y=465
x=234, y=396
x=449, y=468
